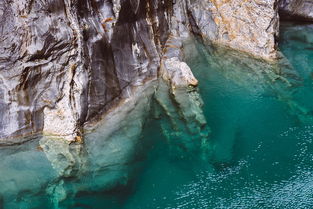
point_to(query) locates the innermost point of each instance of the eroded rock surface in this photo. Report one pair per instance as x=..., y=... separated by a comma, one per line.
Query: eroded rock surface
x=63, y=64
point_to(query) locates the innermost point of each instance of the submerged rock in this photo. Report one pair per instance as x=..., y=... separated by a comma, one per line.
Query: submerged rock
x=178, y=100
x=279, y=77
x=186, y=128
x=51, y=172
x=66, y=65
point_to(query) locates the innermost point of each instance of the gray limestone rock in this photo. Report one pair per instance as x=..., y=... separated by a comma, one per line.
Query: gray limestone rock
x=65, y=63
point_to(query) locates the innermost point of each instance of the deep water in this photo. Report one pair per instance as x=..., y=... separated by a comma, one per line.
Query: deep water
x=260, y=151
x=262, y=136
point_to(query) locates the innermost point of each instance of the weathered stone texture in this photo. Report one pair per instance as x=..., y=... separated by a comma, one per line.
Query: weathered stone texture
x=249, y=26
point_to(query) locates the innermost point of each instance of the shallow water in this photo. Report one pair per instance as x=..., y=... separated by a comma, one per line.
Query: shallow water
x=260, y=151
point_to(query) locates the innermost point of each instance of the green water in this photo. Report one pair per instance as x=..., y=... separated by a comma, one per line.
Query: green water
x=262, y=138
x=260, y=147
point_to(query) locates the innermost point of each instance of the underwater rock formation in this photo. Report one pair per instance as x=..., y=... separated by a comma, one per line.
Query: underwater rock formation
x=178, y=100
x=65, y=63
x=280, y=77
x=278, y=80
x=52, y=171
x=297, y=9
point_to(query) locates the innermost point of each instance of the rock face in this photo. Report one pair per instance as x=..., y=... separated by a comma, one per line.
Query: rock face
x=249, y=26
x=299, y=9
x=63, y=63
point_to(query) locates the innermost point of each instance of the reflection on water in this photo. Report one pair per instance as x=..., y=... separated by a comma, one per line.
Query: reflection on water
x=252, y=120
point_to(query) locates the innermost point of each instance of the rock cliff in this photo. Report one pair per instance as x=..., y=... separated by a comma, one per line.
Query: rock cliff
x=64, y=63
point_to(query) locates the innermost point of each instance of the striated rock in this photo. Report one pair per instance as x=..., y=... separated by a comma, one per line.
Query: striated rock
x=296, y=9
x=65, y=63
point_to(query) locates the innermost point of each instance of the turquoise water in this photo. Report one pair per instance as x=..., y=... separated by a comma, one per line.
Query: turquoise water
x=261, y=136
x=259, y=153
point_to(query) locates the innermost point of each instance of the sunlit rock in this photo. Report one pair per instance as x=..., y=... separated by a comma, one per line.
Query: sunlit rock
x=178, y=73
x=249, y=26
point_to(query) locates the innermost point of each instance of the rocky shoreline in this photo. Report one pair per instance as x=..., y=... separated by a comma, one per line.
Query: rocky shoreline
x=78, y=78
